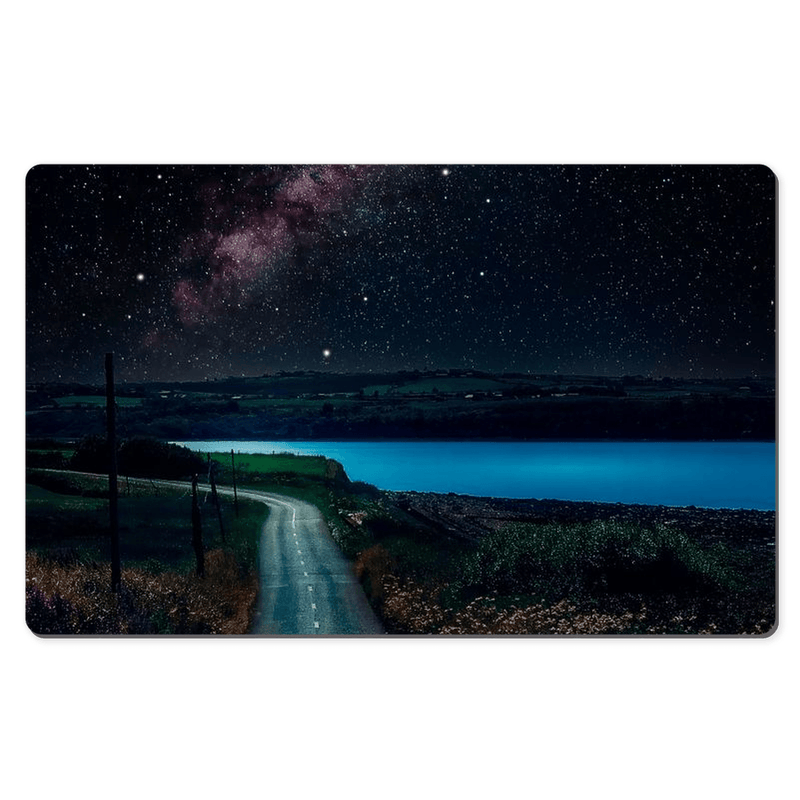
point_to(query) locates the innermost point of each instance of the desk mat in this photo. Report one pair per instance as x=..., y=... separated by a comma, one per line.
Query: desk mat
x=329, y=400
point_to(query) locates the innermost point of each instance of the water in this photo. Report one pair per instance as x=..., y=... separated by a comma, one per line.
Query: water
x=708, y=474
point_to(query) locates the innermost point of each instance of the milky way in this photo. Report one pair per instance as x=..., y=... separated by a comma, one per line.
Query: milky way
x=243, y=252
x=202, y=272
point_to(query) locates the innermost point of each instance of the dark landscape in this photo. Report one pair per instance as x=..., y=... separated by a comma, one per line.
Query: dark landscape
x=445, y=404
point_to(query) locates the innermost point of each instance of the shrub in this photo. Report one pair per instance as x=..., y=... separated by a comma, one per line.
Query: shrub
x=554, y=561
x=150, y=458
x=91, y=455
x=372, y=566
x=45, y=460
x=140, y=456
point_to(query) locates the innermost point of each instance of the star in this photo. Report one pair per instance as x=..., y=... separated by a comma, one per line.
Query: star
x=326, y=353
x=140, y=277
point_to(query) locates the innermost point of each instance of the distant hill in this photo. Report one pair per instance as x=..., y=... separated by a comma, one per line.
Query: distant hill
x=450, y=404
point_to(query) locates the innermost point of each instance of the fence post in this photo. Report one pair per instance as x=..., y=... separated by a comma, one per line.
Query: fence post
x=235, y=498
x=197, y=531
x=215, y=496
x=113, y=506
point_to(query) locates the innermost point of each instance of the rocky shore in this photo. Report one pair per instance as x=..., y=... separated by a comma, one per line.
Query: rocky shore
x=472, y=517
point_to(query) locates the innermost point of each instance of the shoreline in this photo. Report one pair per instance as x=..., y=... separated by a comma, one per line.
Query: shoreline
x=471, y=517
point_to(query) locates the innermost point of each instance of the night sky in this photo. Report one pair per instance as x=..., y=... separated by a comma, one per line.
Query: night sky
x=203, y=272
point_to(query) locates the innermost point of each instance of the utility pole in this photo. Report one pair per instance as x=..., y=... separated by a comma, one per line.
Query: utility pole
x=113, y=507
x=235, y=498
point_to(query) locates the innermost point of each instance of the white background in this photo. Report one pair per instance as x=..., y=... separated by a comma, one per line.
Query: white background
x=367, y=82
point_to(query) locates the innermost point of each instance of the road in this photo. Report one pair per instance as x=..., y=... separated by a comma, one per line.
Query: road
x=307, y=587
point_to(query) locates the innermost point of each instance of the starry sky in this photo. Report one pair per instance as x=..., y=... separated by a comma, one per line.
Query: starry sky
x=193, y=272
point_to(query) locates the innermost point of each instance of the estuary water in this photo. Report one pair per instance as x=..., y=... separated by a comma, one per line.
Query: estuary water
x=705, y=474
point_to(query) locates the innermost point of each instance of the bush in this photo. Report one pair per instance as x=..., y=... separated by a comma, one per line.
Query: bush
x=372, y=566
x=47, y=460
x=140, y=456
x=144, y=457
x=554, y=561
x=91, y=455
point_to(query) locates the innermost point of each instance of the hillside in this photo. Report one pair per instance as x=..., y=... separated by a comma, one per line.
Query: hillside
x=444, y=405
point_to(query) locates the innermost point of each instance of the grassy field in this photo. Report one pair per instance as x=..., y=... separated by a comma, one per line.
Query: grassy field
x=94, y=400
x=68, y=560
x=443, y=384
x=282, y=405
x=266, y=465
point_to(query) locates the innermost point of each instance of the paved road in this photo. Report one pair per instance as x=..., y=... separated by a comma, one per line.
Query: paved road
x=307, y=586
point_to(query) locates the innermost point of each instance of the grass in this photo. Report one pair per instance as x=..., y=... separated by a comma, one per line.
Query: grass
x=94, y=400
x=268, y=465
x=49, y=459
x=75, y=598
x=287, y=405
x=68, y=560
x=444, y=384
x=64, y=452
x=154, y=522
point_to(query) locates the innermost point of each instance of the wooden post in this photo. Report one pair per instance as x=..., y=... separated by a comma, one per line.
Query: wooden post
x=197, y=531
x=113, y=507
x=235, y=498
x=215, y=496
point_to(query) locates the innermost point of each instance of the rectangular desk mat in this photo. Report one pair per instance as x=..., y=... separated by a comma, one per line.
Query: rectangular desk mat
x=401, y=400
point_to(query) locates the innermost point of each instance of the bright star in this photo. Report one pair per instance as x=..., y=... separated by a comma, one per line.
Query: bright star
x=445, y=171
x=326, y=353
x=140, y=277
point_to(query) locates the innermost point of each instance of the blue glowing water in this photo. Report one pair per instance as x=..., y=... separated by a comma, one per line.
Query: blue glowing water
x=709, y=474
